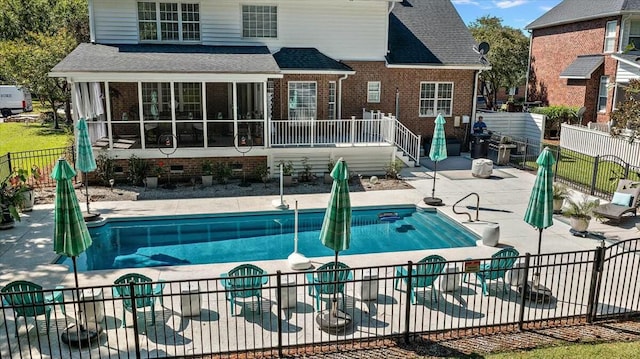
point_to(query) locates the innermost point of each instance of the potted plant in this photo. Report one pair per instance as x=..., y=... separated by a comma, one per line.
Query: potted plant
x=306, y=175
x=580, y=212
x=10, y=200
x=23, y=180
x=327, y=175
x=560, y=192
x=207, y=173
x=287, y=173
x=155, y=172
x=223, y=172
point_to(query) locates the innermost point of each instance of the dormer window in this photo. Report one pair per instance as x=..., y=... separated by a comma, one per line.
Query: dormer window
x=171, y=22
x=259, y=21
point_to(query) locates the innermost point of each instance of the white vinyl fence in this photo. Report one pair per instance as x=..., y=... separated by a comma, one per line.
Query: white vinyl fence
x=515, y=124
x=597, y=143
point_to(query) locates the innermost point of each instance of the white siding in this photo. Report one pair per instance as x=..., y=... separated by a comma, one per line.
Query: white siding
x=343, y=30
x=626, y=72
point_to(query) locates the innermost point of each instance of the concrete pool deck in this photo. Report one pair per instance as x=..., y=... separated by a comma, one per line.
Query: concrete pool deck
x=26, y=250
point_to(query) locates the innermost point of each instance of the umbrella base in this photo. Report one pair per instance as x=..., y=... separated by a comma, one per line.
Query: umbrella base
x=330, y=323
x=91, y=217
x=278, y=204
x=85, y=336
x=433, y=201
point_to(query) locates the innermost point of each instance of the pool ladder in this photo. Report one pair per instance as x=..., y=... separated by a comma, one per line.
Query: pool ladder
x=467, y=213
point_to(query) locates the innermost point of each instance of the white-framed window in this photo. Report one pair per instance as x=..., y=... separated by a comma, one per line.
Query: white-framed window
x=602, y=93
x=435, y=98
x=162, y=21
x=634, y=34
x=373, y=91
x=331, y=110
x=610, y=36
x=302, y=100
x=259, y=21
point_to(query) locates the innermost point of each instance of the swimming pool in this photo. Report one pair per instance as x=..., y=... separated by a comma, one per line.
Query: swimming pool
x=245, y=237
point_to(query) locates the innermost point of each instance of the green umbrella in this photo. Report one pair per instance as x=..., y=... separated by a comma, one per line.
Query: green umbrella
x=85, y=161
x=336, y=227
x=437, y=153
x=540, y=210
x=70, y=234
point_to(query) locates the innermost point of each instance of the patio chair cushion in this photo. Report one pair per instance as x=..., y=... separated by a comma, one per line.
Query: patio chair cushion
x=622, y=199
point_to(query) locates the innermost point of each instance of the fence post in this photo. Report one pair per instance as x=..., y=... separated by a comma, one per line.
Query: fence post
x=594, y=175
x=9, y=162
x=407, y=313
x=596, y=279
x=279, y=308
x=555, y=172
x=526, y=152
x=527, y=261
x=134, y=311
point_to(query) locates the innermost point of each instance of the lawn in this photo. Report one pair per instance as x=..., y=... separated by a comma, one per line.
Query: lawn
x=18, y=137
x=603, y=350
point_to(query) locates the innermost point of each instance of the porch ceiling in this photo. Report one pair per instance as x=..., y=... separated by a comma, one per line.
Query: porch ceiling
x=167, y=59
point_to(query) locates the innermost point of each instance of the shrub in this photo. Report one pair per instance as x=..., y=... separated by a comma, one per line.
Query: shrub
x=392, y=170
x=138, y=169
x=106, y=168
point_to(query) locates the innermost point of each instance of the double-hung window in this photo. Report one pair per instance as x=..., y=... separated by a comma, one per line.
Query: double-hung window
x=610, y=36
x=332, y=100
x=602, y=93
x=373, y=91
x=435, y=98
x=259, y=21
x=634, y=34
x=161, y=21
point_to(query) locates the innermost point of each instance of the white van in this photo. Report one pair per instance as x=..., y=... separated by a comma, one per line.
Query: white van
x=14, y=100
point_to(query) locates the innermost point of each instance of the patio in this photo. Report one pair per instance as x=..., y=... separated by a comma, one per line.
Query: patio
x=27, y=254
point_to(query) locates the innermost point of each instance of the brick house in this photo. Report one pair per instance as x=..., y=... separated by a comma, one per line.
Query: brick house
x=580, y=57
x=256, y=82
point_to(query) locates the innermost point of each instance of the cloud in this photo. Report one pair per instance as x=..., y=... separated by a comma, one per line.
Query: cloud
x=465, y=2
x=546, y=8
x=505, y=4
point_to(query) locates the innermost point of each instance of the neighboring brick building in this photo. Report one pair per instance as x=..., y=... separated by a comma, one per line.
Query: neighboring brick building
x=578, y=55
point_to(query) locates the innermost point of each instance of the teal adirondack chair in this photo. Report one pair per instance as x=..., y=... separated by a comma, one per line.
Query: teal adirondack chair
x=144, y=291
x=244, y=281
x=28, y=300
x=500, y=263
x=322, y=281
x=423, y=275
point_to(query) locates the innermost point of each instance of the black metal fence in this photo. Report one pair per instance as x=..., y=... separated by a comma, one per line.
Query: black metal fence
x=43, y=160
x=280, y=318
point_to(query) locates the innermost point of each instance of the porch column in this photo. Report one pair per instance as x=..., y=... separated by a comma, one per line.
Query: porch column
x=234, y=106
x=108, y=106
x=266, y=118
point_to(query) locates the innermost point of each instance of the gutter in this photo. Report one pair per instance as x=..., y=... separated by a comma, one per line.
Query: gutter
x=339, y=114
x=92, y=24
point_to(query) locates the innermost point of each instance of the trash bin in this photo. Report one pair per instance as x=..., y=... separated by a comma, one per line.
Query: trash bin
x=92, y=305
x=190, y=299
x=288, y=292
x=480, y=145
x=369, y=285
x=481, y=168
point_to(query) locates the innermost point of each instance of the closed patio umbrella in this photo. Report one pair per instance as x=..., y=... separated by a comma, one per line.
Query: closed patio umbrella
x=70, y=238
x=85, y=161
x=336, y=234
x=437, y=153
x=540, y=209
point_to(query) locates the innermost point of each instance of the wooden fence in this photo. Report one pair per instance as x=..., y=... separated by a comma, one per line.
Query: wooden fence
x=597, y=143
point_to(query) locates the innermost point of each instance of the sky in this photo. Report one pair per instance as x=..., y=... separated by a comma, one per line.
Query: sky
x=514, y=13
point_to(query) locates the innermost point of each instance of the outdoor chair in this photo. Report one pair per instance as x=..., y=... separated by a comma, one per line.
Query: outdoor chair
x=626, y=199
x=28, y=300
x=322, y=281
x=244, y=281
x=145, y=294
x=423, y=274
x=500, y=263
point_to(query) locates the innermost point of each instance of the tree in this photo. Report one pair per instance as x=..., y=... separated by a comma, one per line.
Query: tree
x=20, y=17
x=508, y=56
x=626, y=116
x=27, y=63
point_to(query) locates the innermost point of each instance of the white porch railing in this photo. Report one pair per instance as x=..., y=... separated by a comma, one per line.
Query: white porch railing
x=376, y=130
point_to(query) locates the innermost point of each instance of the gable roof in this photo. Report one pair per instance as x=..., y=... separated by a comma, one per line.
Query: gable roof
x=300, y=59
x=429, y=32
x=167, y=59
x=580, y=10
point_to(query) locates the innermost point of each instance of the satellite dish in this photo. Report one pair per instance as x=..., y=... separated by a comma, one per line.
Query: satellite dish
x=482, y=48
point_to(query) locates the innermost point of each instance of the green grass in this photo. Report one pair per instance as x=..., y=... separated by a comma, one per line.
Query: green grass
x=18, y=137
x=603, y=350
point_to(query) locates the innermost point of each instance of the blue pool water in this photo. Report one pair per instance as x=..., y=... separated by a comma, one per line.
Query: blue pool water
x=246, y=237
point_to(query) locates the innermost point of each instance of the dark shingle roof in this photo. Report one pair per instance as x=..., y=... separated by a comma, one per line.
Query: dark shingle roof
x=582, y=67
x=168, y=58
x=429, y=32
x=578, y=10
x=295, y=58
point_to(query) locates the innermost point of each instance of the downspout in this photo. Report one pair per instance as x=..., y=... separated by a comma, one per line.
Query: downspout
x=386, y=32
x=339, y=116
x=526, y=87
x=92, y=24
